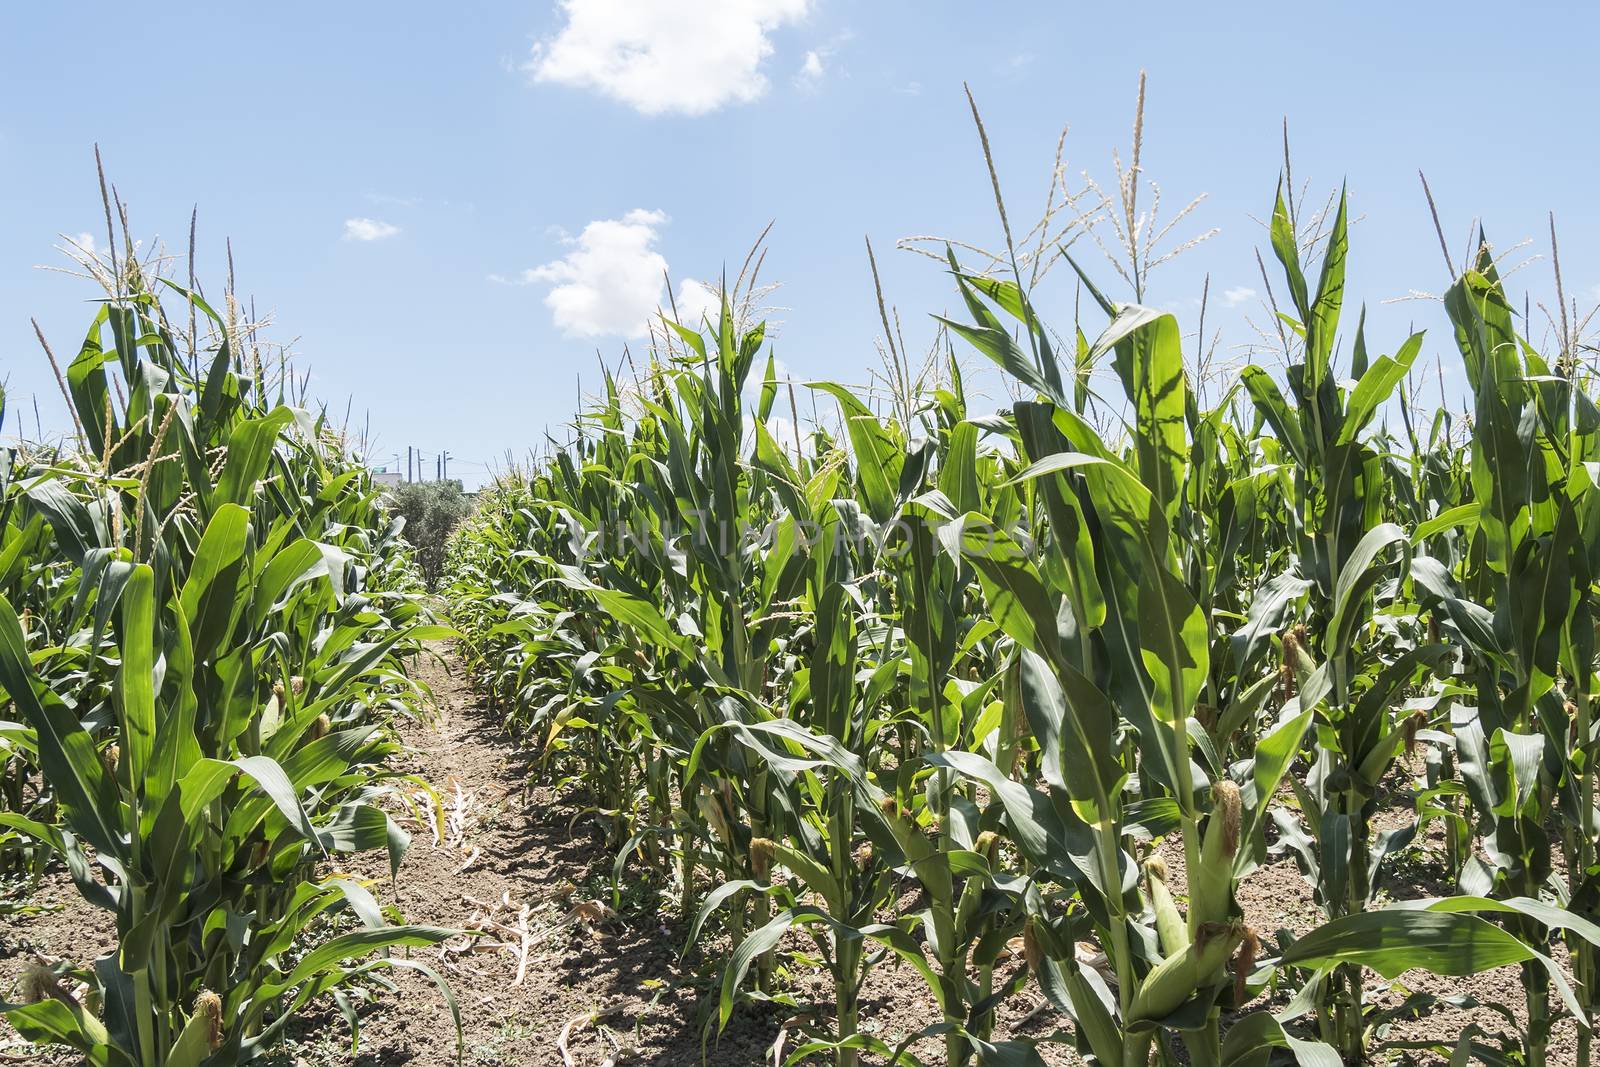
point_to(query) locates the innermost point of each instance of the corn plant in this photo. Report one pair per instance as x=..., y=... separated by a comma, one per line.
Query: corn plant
x=206, y=697
x=1072, y=675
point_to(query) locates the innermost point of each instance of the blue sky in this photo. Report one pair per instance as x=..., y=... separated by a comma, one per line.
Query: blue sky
x=451, y=209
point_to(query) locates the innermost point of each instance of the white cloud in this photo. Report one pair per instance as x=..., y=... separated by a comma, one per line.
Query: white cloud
x=658, y=57
x=368, y=229
x=697, y=302
x=818, y=62
x=85, y=241
x=1238, y=295
x=812, y=69
x=612, y=280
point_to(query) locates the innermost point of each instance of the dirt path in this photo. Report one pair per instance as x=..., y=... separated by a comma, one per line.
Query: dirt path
x=610, y=987
x=529, y=868
x=613, y=983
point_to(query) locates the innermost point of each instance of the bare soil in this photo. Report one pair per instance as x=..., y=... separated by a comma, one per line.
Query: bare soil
x=557, y=977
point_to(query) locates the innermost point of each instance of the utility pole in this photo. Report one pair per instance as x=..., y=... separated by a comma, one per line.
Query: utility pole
x=408, y=463
x=444, y=458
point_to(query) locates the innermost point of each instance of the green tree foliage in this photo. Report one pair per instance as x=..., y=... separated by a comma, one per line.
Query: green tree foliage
x=432, y=511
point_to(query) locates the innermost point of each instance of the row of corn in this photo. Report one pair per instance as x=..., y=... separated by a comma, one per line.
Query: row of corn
x=204, y=610
x=1017, y=701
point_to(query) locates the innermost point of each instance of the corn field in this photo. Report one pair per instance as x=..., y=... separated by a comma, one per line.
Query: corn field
x=929, y=690
x=1003, y=701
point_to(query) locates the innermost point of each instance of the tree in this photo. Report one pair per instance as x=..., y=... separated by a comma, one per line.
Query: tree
x=431, y=511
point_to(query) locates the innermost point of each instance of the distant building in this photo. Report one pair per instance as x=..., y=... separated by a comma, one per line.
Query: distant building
x=383, y=477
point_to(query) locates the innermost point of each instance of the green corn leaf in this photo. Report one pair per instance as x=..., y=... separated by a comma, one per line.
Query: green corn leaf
x=1269, y=401
x=1464, y=515
x=206, y=780
x=1356, y=579
x=67, y=753
x=1251, y=1041
x=1287, y=247
x=1375, y=386
x=769, y=389
x=1076, y=727
x=328, y=956
x=51, y=1021
x=1015, y=594
x=135, y=687
x=1323, y=321
x=1065, y=850
x=1149, y=360
x=250, y=448
x=878, y=455
x=996, y=344
x=210, y=591
x=1394, y=941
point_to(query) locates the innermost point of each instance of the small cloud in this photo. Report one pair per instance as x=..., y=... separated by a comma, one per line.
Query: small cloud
x=610, y=283
x=85, y=241
x=811, y=70
x=661, y=58
x=404, y=203
x=909, y=89
x=1019, y=62
x=1238, y=295
x=368, y=229
x=818, y=62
